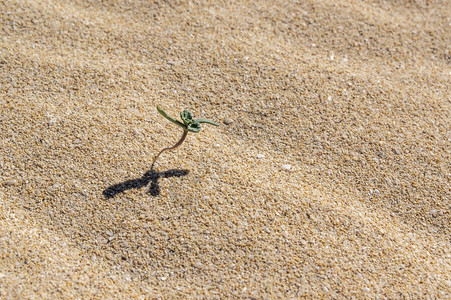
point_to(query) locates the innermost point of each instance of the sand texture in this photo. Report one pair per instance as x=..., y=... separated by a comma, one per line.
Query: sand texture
x=328, y=177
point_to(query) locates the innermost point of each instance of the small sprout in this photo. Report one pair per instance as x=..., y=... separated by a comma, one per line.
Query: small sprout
x=189, y=124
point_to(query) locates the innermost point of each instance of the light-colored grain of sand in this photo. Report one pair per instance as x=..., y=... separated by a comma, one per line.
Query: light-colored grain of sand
x=354, y=96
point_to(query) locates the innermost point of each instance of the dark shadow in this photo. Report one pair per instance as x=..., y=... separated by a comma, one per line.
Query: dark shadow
x=150, y=177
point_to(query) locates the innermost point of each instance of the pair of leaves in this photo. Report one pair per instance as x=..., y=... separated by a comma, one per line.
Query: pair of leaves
x=189, y=123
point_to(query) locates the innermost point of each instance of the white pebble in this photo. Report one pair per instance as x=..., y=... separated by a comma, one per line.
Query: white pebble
x=228, y=121
x=10, y=182
x=286, y=167
x=260, y=155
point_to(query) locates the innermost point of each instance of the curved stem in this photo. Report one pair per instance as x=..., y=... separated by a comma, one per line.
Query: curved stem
x=185, y=133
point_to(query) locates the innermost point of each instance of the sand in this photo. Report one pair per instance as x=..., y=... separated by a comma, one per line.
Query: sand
x=329, y=176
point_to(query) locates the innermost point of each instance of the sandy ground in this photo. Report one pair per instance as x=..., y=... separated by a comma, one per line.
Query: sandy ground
x=333, y=181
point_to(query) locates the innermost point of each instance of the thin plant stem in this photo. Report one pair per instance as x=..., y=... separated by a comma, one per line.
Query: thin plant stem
x=185, y=133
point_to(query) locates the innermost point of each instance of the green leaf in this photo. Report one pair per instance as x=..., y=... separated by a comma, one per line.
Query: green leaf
x=186, y=116
x=164, y=114
x=194, y=126
x=207, y=121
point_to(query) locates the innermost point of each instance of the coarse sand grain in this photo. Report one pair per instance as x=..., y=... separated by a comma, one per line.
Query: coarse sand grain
x=329, y=176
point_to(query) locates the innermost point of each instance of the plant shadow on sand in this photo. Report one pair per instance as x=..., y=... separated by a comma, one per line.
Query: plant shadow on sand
x=149, y=177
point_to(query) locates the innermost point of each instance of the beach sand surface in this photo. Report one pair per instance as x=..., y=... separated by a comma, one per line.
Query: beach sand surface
x=328, y=177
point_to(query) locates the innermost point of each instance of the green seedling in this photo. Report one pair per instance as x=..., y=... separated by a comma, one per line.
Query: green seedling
x=188, y=124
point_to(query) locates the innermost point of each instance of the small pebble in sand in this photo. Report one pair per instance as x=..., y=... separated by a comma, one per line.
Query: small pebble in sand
x=286, y=167
x=9, y=182
x=228, y=121
x=259, y=156
x=436, y=212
